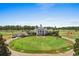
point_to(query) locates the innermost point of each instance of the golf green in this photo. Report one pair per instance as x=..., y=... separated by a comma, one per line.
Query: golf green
x=40, y=44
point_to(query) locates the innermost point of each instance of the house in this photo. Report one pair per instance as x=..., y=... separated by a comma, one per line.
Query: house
x=40, y=30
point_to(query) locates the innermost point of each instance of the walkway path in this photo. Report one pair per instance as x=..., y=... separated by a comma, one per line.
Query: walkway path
x=68, y=53
x=15, y=53
x=73, y=40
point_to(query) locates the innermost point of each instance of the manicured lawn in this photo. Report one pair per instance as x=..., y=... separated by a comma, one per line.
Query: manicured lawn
x=40, y=44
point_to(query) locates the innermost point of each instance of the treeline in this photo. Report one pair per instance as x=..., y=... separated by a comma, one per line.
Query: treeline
x=69, y=28
x=17, y=27
x=26, y=27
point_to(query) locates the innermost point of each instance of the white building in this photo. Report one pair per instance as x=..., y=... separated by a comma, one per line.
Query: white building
x=40, y=30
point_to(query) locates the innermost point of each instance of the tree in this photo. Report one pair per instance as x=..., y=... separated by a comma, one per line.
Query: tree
x=76, y=47
x=4, y=51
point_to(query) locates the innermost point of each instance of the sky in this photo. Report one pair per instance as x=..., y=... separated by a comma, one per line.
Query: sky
x=47, y=14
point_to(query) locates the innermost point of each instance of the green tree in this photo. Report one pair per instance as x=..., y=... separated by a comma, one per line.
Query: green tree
x=76, y=47
x=4, y=51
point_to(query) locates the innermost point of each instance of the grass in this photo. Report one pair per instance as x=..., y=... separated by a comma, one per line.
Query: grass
x=41, y=44
x=74, y=35
x=46, y=44
x=7, y=34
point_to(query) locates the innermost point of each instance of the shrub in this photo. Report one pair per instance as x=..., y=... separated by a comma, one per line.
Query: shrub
x=31, y=33
x=53, y=33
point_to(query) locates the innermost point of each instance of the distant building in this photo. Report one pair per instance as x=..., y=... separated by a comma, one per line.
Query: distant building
x=21, y=34
x=40, y=30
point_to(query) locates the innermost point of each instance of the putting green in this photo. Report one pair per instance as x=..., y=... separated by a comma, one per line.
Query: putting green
x=41, y=44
